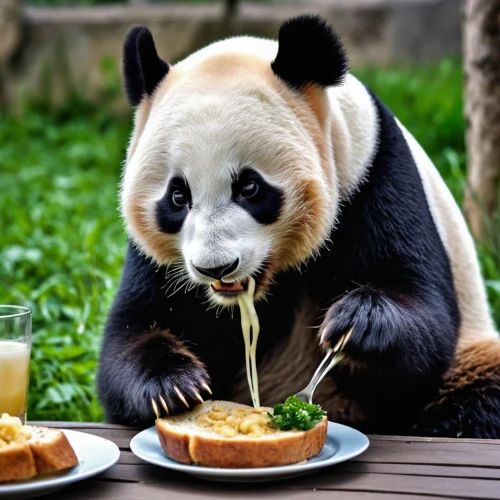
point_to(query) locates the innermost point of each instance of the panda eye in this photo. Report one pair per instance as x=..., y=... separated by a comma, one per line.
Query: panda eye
x=179, y=198
x=249, y=190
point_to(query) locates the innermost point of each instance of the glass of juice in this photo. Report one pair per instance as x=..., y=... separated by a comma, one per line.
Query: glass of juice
x=15, y=350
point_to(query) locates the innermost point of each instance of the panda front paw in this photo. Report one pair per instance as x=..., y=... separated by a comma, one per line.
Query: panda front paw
x=180, y=390
x=370, y=317
x=161, y=377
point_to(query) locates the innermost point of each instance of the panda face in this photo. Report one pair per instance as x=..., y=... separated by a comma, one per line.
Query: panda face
x=225, y=181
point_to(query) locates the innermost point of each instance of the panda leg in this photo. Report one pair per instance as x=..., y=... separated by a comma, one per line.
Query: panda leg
x=469, y=402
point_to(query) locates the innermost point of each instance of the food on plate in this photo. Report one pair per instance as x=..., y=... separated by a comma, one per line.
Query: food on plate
x=16, y=459
x=230, y=435
x=27, y=450
x=295, y=414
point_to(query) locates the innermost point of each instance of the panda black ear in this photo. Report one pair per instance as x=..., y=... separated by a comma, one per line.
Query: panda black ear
x=142, y=68
x=309, y=52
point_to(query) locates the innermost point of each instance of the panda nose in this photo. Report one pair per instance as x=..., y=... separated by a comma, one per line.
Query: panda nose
x=218, y=272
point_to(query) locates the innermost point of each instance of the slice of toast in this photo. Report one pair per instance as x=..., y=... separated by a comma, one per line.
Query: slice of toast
x=51, y=450
x=16, y=459
x=16, y=462
x=26, y=450
x=185, y=440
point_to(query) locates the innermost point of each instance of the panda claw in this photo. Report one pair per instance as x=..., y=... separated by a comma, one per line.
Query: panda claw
x=205, y=386
x=164, y=404
x=181, y=396
x=198, y=396
x=155, y=408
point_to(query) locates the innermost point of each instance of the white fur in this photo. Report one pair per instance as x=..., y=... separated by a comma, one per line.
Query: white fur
x=205, y=132
x=476, y=320
x=262, y=48
x=355, y=131
x=355, y=143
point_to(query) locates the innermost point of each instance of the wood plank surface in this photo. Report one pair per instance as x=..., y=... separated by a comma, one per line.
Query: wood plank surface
x=411, y=439
x=421, y=470
x=146, y=472
x=120, y=437
x=91, y=489
x=81, y=425
x=393, y=467
x=445, y=454
x=408, y=484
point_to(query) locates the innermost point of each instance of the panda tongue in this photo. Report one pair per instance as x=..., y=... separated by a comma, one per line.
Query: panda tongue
x=235, y=287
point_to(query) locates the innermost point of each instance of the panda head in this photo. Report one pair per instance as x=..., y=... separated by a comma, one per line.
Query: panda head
x=230, y=172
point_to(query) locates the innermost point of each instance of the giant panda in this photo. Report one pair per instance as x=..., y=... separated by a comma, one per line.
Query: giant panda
x=268, y=159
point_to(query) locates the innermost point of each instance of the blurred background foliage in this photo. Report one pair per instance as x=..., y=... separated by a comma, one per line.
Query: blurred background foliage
x=74, y=3
x=63, y=242
x=59, y=3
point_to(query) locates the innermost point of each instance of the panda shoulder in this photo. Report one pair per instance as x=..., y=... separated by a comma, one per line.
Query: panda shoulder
x=355, y=131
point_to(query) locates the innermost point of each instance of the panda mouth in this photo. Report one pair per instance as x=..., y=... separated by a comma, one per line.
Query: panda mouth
x=230, y=289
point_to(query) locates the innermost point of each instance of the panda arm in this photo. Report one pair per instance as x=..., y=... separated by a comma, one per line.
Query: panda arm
x=140, y=358
x=409, y=335
x=391, y=269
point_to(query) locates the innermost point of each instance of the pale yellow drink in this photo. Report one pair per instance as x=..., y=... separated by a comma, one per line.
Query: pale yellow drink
x=14, y=373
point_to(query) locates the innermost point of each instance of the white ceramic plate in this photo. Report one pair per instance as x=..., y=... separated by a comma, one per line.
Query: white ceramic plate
x=342, y=443
x=95, y=454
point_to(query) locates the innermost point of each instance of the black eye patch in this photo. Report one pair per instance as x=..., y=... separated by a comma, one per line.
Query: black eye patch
x=263, y=203
x=173, y=208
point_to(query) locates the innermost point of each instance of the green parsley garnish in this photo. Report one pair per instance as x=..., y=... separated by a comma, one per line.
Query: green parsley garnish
x=295, y=414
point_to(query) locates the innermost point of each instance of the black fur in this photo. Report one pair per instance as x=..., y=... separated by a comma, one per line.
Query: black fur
x=220, y=271
x=396, y=289
x=169, y=216
x=143, y=70
x=140, y=359
x=386, y=274
x=143, y=308
x=309, y=52
x=471, y=411
x=265, y=206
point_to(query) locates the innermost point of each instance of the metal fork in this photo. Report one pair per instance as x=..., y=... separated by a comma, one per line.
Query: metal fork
x=333, y=356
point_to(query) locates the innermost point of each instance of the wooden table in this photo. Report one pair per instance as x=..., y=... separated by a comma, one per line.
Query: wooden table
x=392, y=467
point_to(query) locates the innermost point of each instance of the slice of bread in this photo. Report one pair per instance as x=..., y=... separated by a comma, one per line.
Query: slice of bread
x=185, y=440
x=16, y=462
x=26, y=450
x=51, y=450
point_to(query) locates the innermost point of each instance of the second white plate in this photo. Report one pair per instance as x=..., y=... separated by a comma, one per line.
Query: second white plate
x=342, y=443
x=95, y=454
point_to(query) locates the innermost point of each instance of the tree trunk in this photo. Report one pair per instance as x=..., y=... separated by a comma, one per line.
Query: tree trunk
x=10, y=38
x=482, y=110
x=230, y=8
x=10, y=28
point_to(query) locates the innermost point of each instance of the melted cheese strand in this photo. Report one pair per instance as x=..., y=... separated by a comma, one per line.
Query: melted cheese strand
x=249, y=319
x=254, y=321
x=245, y=327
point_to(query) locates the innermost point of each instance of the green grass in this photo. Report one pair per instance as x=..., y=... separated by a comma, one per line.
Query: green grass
x=61, y=247
x=62, y=243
